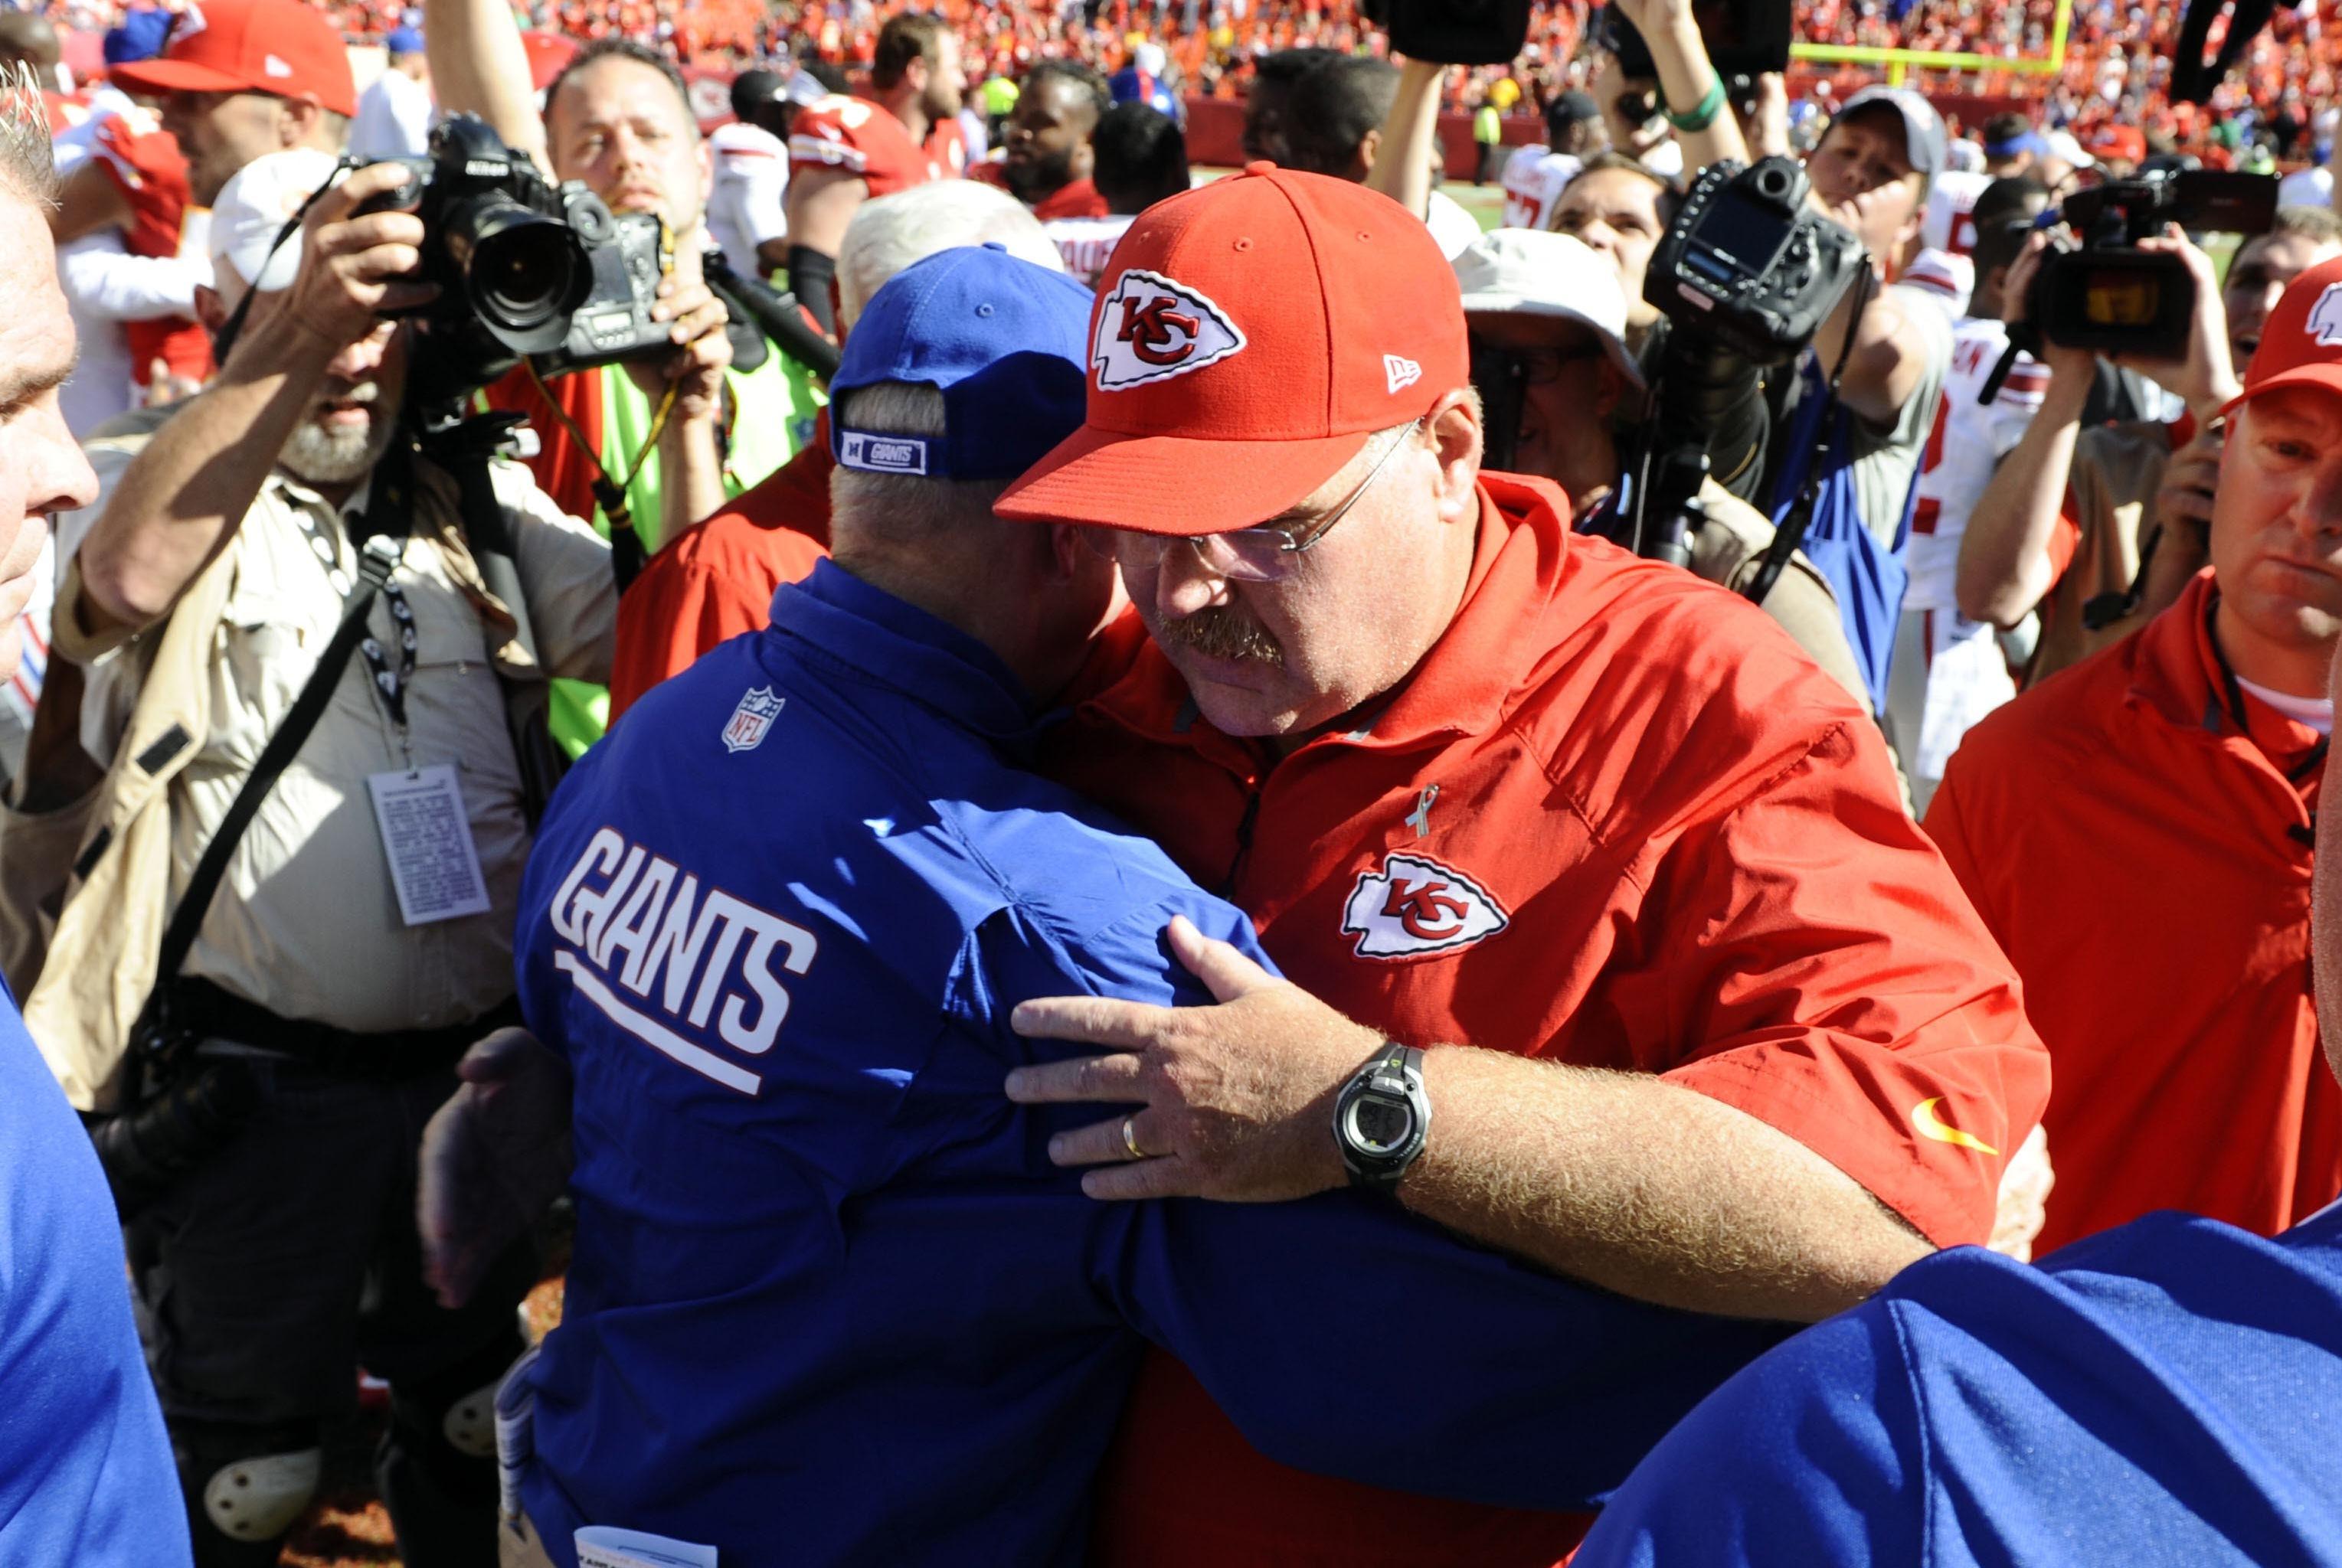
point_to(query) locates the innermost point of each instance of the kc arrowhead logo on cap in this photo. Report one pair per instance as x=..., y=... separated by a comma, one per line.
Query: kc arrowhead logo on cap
x=2324, y=322
x=1151, y=329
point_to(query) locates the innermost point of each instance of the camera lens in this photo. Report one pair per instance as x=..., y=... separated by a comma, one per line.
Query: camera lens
x=522, y=278
x=523, y=271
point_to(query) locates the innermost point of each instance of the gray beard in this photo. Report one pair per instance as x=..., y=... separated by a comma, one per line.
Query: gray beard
x=328, y=454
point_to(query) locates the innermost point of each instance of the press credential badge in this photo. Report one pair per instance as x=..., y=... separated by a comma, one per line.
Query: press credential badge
x=427, y=836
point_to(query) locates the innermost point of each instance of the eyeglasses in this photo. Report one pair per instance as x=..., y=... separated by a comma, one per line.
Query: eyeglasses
x=1262, y=555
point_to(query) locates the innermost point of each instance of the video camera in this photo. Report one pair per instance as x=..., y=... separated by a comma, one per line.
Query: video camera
x=2100, y=292
x=1745, y=275
x=525, y=268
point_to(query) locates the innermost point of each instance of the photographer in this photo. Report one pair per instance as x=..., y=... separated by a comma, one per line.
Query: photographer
x=357, y=938
x=618, y=119
x=1848, y=459
x=1548, y=345
x=2068, y=518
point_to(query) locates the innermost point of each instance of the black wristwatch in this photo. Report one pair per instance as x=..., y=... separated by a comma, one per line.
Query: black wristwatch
x=1382, y=1117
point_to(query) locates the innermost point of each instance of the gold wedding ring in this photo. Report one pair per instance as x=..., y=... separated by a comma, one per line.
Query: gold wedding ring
x=1130, y=1139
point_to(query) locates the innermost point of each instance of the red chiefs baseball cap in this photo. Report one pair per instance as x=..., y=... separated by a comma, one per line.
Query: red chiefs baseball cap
x=2301, y=342
x=282, y=48
x=1249, y=336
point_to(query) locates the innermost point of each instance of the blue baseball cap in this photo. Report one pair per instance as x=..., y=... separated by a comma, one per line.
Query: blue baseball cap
x=1006, y=342
x=405, y=41
x=141, y=37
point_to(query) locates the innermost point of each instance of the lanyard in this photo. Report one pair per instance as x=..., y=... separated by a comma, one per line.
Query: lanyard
x=392, y=684
x=2232, y=699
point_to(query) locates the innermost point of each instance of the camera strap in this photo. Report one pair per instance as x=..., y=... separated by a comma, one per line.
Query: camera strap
x=462, y=450
x=224, y=344
x=390, y=513
x=1791, y=533
x=627, y=556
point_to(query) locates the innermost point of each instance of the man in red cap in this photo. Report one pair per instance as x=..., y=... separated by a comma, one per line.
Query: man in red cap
x=245, y=78
x=1743, y=1047
x=2138, y=833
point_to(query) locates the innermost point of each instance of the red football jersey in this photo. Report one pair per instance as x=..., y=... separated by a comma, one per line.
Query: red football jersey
x=867, y=139
x=143, y=161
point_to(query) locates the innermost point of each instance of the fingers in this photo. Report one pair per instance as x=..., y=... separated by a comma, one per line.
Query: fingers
x=1218, y=964
x=1146, y=1179
x=1092, y=1020
x=498, y=1057
x=1082, y=1078
x=1102, y=1142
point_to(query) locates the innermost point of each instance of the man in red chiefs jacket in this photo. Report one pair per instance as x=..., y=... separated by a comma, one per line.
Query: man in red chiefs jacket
x=2138, y=833
x=1716, y=1026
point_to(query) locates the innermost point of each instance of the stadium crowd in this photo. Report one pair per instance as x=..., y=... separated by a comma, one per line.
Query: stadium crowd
x=1145, y=865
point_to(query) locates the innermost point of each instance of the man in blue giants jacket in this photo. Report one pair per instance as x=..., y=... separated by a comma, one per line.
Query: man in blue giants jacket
x=830, y=1301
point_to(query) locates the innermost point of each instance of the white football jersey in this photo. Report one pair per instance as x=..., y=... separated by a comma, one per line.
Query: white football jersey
x=1946, y=279
x=1950, y=199
x=747, y=199
x=1968, y=442
x=1948, y=670
x=1533, y=183
x=1085, y=244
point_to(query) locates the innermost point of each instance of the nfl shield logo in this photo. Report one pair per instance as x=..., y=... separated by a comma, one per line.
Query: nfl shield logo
x=745, y=731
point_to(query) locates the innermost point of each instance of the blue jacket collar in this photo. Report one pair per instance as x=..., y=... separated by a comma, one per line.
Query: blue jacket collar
x=840, y=620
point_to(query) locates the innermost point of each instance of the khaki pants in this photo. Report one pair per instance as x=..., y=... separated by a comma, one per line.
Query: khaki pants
x=522, y=1550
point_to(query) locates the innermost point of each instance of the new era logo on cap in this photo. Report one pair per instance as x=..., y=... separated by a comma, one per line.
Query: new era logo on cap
x=1151, y=328
x=275, y=67
x=1400, y=372
x=882, y=454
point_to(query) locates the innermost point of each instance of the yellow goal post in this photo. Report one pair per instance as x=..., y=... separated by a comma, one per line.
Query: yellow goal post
x=1898, y=62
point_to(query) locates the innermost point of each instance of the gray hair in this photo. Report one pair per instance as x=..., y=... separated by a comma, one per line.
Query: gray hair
x=27, y=167
x=890, y=233
x=899, y=509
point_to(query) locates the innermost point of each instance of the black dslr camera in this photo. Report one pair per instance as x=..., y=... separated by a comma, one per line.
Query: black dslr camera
x=1749, y=265
x=525, y=268
x=1745, y=275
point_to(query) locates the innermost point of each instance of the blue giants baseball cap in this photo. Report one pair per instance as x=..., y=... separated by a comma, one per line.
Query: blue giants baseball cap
x=1006, y=342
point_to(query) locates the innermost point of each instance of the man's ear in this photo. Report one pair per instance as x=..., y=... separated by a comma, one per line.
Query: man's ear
x=296, y=118
x=1454, y=429
x=1610, y=387
x=210, y=309
x=1369, y=150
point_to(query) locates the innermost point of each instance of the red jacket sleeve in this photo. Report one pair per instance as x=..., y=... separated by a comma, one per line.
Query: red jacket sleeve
x=675, y=612
x=1848, y=993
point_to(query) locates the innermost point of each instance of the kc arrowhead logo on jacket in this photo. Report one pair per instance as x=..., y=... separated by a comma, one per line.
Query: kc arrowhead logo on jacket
x=1151, y=328
x=1415, y=906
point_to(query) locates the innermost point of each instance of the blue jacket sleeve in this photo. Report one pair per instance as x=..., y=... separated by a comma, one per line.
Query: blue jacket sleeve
x=1345, y=1336
x=85, y=1471
x=1811, y=1455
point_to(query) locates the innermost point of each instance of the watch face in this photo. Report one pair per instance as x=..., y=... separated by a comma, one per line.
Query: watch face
x=1380, y=1124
